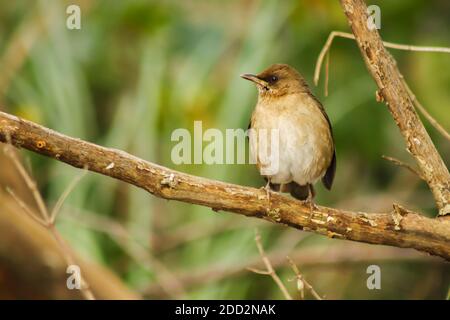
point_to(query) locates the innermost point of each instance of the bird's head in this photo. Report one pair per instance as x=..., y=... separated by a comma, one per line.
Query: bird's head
x=278, y=80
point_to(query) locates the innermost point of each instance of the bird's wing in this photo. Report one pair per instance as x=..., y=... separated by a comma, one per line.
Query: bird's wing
x=328, y=178
x=324, y=113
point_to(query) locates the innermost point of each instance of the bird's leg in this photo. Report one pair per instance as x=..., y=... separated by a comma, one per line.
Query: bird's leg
x=267, y=188
x=309, y=200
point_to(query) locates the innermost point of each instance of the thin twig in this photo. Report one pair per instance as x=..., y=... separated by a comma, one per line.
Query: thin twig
x=65, y=194
x=263, y=272
x=404, y=165
x=270, y=271
x=326, y=49
x=391, y=45
x=425, y=113
x=301, y=281
x=325, y=52
x=26, y=209
x=10, y=152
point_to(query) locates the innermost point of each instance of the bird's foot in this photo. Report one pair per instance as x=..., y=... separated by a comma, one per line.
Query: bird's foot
x=310, y=202
x=267, y=189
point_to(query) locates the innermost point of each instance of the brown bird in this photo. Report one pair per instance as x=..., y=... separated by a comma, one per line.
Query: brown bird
x=305, y=149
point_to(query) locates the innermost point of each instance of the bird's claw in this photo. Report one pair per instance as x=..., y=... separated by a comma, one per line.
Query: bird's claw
x=311, y=205
x=267, y=189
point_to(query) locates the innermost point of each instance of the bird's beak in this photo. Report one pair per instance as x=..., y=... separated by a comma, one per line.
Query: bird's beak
x=255, y=79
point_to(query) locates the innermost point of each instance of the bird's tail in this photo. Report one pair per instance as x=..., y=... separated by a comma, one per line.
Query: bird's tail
x=301, y=192
x=297, y=191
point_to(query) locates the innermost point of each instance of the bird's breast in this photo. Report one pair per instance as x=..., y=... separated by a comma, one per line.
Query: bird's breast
x=305, y=146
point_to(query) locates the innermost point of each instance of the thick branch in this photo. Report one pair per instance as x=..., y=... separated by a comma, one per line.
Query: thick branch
x=383, y=69
x=401, y=228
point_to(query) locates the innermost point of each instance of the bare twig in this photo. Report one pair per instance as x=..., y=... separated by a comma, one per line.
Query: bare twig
x=325, y=52
x=417, y=231
x=270, y=271
x=26, y=209
x=404, y=165
x=65, y=194
x=346, y=35
x=301, y=281
x=426, y=114
x=327, y=67
x=9, y=151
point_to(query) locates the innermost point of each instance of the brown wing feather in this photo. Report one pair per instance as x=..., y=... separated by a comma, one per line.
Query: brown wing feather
x=328, y=178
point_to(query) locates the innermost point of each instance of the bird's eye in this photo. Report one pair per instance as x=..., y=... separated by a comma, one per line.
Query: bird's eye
x=273, y=79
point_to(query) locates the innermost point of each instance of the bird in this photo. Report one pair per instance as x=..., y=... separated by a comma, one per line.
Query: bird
x=306, y=149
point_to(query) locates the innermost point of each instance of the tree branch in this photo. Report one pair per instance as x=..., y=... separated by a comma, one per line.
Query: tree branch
x=383, y=69
x=410, y=230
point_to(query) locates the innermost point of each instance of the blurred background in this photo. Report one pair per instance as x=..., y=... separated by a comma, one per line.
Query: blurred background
x=136, y=71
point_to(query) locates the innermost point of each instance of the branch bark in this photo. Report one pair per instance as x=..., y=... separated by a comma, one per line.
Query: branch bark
x=388, y=78
x=401, y=228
